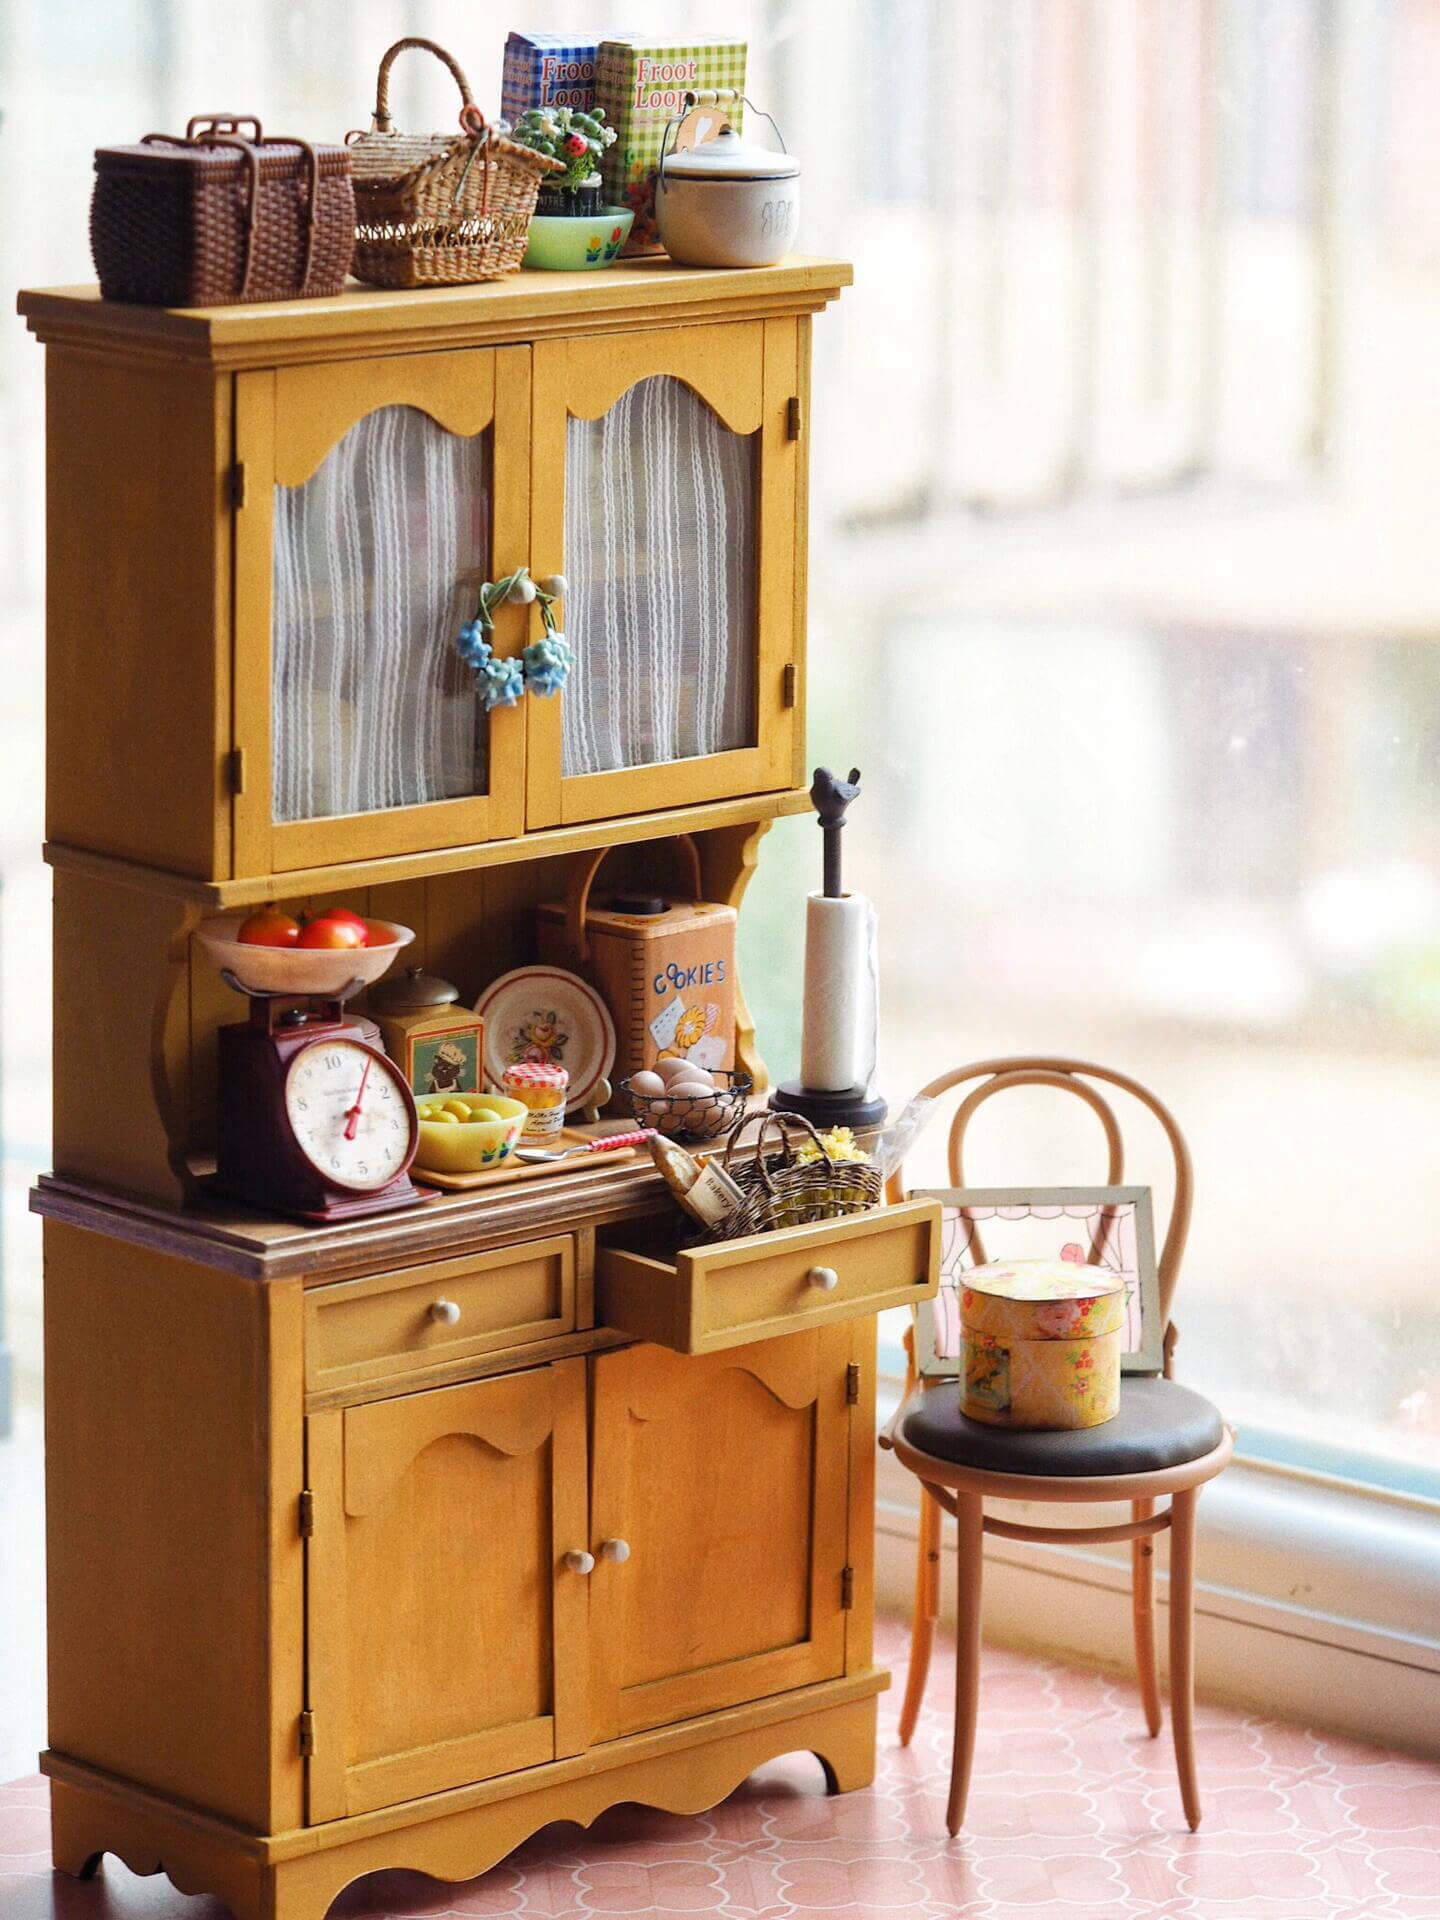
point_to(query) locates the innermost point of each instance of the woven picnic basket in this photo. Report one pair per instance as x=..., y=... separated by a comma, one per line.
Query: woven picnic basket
x=781, y=1190
x=440, y=209
x=221, y=215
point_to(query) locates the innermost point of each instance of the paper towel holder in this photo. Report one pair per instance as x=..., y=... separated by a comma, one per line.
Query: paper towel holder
x=849, y=1106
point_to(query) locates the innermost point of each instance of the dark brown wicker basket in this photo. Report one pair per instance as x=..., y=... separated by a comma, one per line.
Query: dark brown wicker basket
x=782, y=1191
x=217, y=218
x=440, y=209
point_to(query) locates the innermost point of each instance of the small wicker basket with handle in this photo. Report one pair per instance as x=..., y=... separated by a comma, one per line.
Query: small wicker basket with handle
x=440, y=209
x=781, y=1190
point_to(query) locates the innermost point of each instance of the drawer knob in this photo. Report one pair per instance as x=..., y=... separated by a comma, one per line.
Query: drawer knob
x=446, y=1312
x=616, y=1550
x=579, y=1561
x=825, y=1278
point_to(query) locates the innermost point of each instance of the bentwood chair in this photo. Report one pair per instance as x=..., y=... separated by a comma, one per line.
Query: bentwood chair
x=1165, y=1442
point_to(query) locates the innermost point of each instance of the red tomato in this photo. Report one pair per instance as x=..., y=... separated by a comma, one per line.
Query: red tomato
x=343, y=917
x=269, y=928
x=331, y=931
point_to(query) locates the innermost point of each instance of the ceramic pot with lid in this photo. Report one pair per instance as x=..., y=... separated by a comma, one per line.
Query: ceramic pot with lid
x=728, y=202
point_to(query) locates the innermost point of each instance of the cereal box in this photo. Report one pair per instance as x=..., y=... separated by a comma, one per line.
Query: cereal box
x=547, y=70
x=642, y=87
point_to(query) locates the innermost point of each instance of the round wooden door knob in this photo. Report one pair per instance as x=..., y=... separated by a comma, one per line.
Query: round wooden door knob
x=825, y=1278
x=445, y=1312
x=616, y=1550
x=579, y=1561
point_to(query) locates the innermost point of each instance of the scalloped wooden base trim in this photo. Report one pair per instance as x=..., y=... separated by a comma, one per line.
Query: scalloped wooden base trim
x=201, y=1855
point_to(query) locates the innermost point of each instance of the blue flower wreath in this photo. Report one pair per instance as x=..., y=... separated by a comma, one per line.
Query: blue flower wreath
x=545, y=665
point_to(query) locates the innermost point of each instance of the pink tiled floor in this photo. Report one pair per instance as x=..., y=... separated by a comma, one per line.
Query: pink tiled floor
x=1075, y=1814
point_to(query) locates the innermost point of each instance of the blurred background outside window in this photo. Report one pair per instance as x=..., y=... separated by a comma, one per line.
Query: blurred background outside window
x=1125, y=591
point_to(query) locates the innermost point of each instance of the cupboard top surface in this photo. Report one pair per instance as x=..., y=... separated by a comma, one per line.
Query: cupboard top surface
x=366, y=320
x=218, y=1232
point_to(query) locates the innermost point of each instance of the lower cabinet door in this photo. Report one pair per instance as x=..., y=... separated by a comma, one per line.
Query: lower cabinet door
x=446, y=1636
x=726, y=1477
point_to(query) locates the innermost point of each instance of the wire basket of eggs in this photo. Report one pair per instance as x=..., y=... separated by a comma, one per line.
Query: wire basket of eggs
x=686, y=1102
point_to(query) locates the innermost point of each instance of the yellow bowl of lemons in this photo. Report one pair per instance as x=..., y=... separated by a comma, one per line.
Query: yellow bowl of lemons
x=467, y=1132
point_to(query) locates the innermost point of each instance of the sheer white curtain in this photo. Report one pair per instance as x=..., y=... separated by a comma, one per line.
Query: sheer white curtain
x=378, y=557
x=660, y=548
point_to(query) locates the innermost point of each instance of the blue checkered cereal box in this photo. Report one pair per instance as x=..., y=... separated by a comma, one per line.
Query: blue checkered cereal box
x=547, y=70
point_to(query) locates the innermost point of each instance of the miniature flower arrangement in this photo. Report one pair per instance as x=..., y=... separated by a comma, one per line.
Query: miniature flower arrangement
x=839, y=1146
x=544, y=666
x=578, y=141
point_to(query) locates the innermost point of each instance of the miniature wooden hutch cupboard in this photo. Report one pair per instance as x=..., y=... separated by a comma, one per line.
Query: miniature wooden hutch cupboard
x=339, y=1580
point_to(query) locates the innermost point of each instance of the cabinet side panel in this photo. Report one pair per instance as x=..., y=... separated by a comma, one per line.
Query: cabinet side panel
x=174, y=1558
x=137, y=612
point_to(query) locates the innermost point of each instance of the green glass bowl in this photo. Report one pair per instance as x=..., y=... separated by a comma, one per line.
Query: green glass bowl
x=565, y=243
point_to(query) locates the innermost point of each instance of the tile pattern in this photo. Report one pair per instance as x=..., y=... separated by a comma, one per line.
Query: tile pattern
x=1075, y=1815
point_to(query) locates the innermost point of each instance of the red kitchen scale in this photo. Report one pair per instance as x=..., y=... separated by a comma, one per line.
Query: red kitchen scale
x=314, y=1120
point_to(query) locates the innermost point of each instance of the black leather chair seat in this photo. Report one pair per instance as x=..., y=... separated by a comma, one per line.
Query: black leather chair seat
x=1160, y=1424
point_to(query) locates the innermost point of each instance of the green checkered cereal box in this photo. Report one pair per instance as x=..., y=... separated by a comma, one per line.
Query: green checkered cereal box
x=642, y=87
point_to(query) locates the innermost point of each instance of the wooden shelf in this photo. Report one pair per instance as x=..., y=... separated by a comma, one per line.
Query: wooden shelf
x=221, y=894
x=363, y=321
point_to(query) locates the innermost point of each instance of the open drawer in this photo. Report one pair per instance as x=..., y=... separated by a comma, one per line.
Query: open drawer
x=705, y=1298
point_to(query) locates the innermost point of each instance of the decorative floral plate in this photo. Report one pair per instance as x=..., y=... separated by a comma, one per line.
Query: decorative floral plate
x=545, y=1013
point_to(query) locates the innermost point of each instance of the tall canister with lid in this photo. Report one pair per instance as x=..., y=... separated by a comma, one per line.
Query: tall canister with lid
x=1042, y=1343
x=663, y=963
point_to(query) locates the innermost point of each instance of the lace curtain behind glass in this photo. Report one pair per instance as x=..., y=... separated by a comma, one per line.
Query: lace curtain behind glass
x=377, y=560
x=660, y=518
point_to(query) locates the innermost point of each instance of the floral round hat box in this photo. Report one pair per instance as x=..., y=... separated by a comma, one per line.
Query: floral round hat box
x=1042, y=1343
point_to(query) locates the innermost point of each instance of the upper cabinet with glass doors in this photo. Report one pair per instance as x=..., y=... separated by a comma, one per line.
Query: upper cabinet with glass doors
x=372, y=461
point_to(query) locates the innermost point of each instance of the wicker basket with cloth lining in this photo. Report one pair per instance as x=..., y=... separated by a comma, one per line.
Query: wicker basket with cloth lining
x=440, y=209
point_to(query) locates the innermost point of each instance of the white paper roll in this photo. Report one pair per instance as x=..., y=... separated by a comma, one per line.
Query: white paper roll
x=841, y=994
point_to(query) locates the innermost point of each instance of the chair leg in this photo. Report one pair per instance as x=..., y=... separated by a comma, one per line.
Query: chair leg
x=1182, y=1649
x=927, y=1607
x=969, y=1565
x=1142, y=1607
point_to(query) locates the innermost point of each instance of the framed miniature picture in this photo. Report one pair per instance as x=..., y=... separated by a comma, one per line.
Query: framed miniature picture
x=1111, y=1227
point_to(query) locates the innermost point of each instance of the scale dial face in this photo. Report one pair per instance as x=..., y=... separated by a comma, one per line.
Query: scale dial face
x=350, y=1114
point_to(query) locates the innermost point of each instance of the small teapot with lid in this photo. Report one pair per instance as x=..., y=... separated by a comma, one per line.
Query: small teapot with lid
x=725, y=201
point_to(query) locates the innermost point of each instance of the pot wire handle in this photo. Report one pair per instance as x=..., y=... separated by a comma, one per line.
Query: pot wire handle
x=718, y=96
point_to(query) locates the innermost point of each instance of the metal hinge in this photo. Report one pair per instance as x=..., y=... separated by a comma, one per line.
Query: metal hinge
x=847, y=1589
x=235, y=485
x=793, y=417
x=852, y=1384
x=789, y=684
x=307, y=1514
x=235, y=770
x=307, y=1734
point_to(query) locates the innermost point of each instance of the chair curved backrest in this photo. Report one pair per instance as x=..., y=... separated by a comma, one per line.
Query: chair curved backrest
x=1075, y=1077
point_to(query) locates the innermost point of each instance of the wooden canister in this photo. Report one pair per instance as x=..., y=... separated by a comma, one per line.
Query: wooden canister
x=1042, y=1342
x=438, y=1045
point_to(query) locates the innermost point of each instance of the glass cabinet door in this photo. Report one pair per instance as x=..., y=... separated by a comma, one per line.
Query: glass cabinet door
x=665, y=491
x=395, y=487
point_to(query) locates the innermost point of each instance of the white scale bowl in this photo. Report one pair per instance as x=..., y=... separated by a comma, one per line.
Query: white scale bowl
x=297, y=970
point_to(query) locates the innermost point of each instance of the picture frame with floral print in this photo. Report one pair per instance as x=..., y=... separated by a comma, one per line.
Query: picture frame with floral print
x=1104, y=1226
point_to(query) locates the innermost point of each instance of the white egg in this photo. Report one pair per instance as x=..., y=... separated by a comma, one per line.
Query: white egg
x=686, y=1084
x=669, y=1070
x=647, y=1083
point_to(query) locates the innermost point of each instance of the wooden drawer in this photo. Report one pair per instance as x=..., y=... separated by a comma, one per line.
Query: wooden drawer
x=708, y=1298
x=361, y=1330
